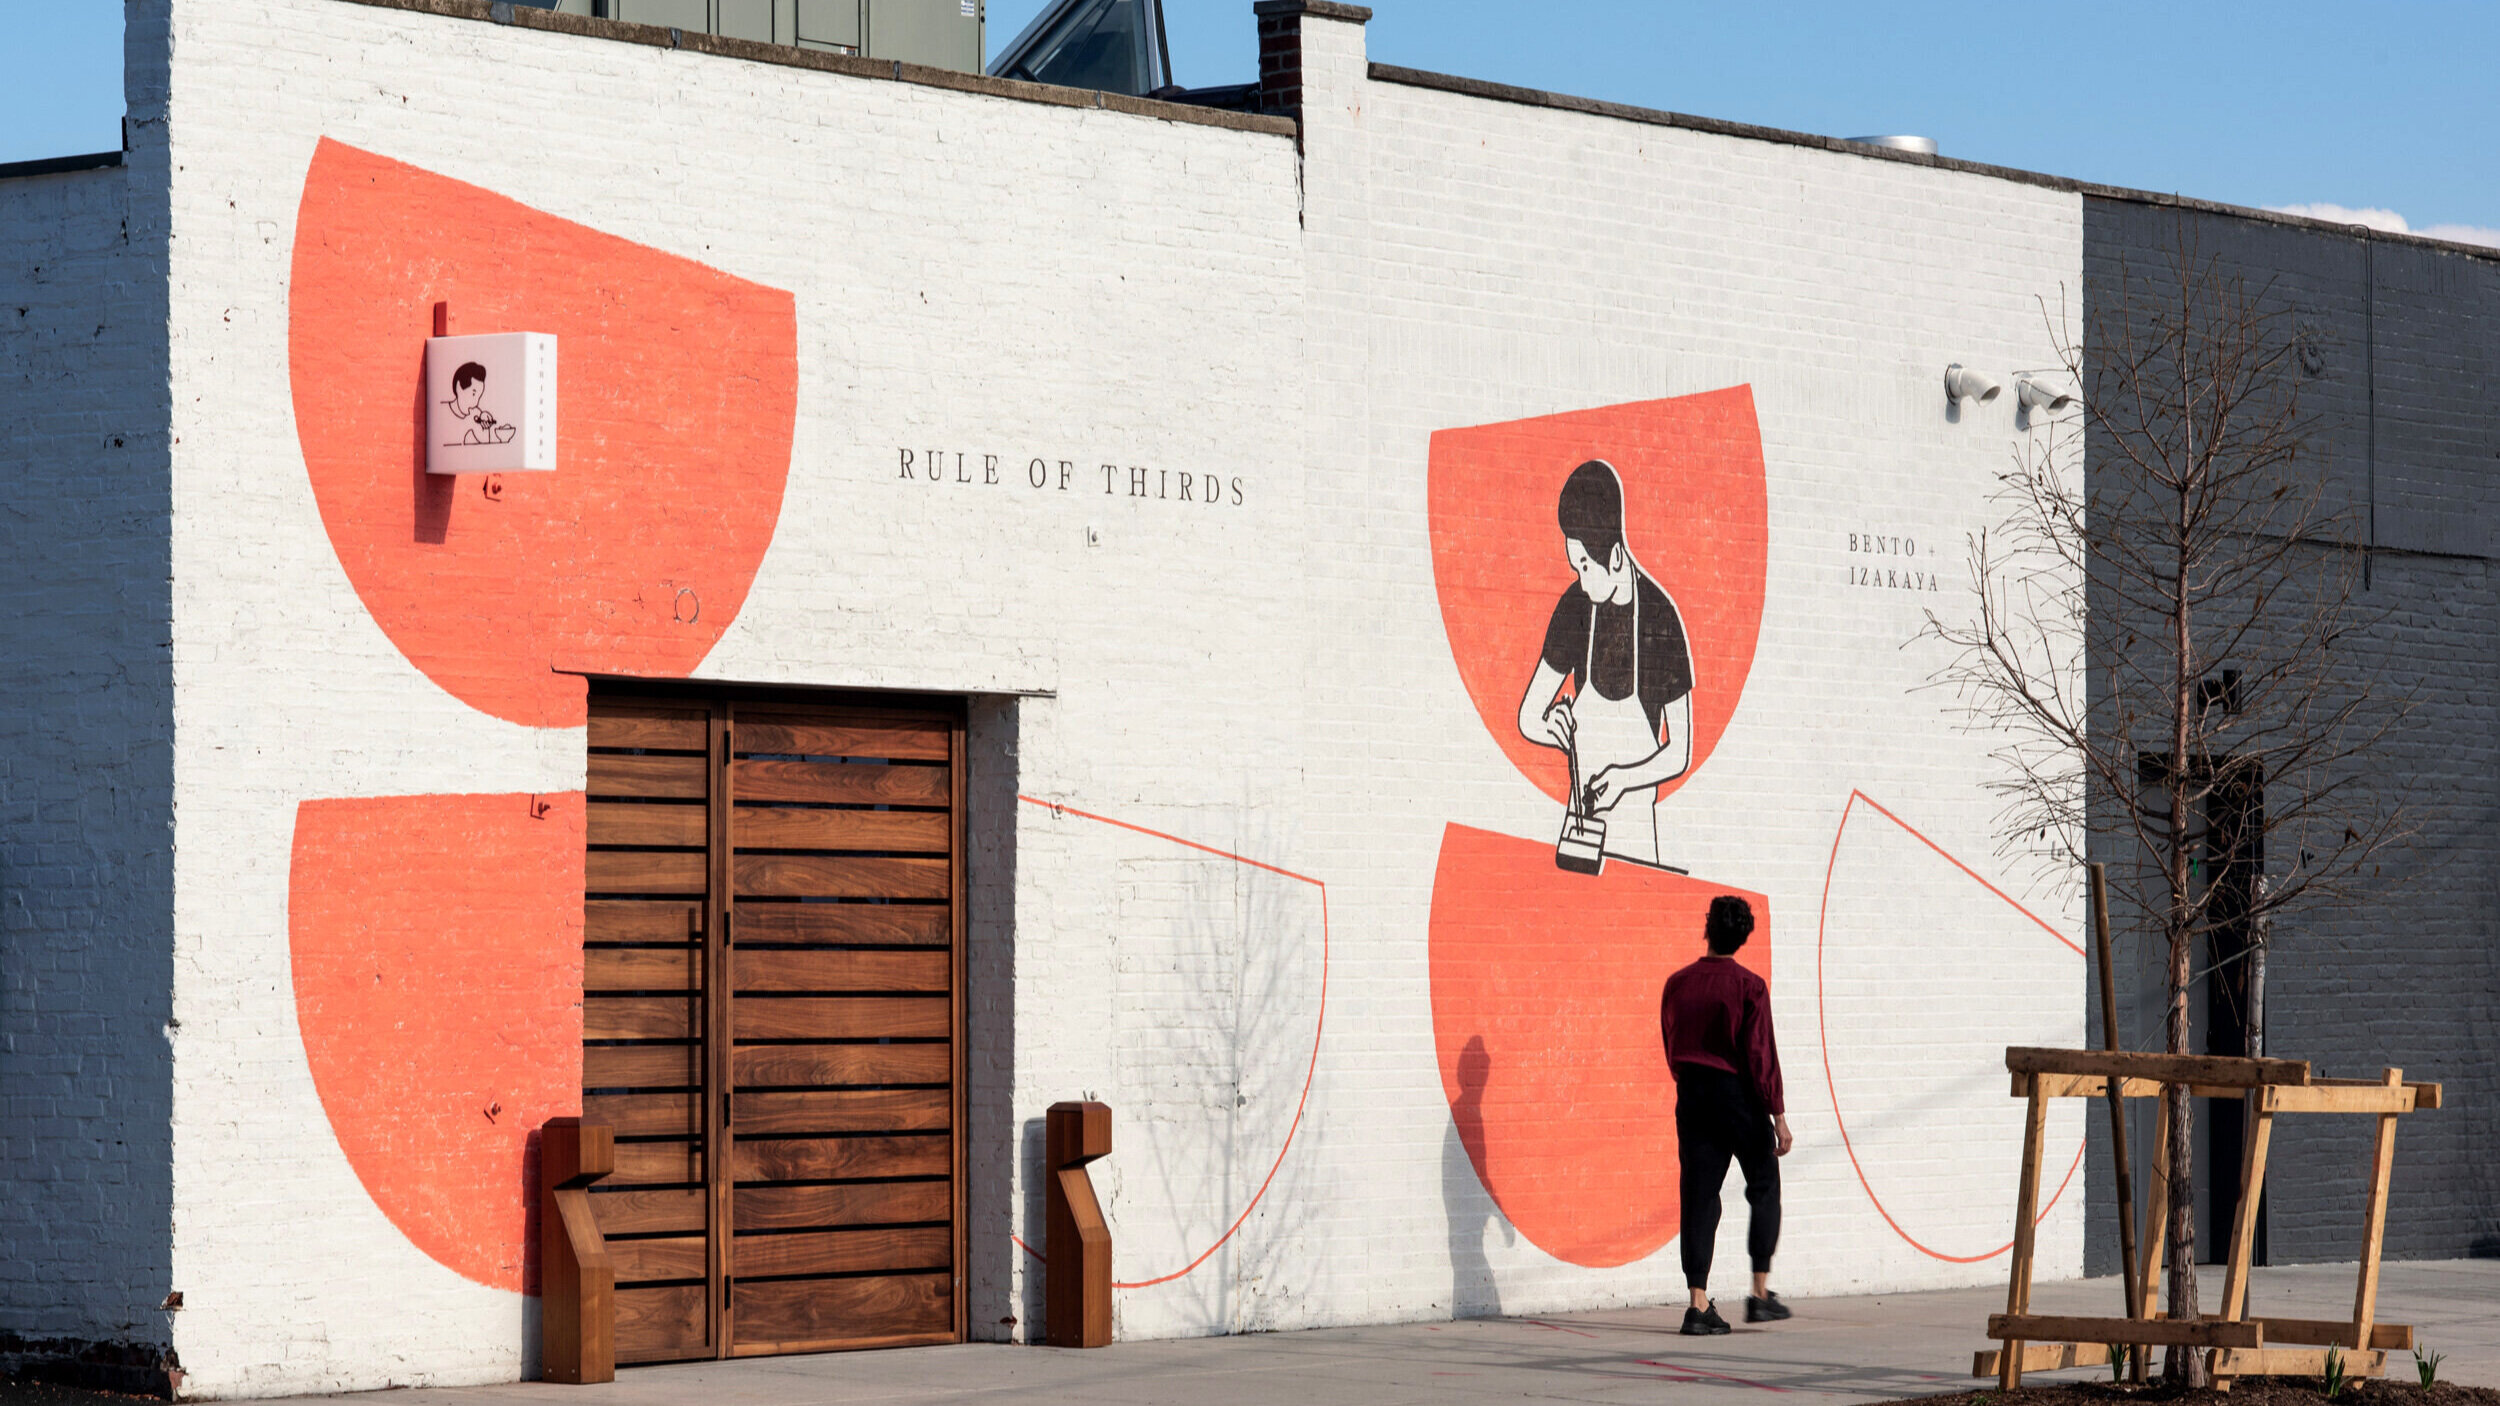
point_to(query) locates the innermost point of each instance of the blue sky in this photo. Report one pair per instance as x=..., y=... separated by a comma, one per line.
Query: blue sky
x=2386, y=107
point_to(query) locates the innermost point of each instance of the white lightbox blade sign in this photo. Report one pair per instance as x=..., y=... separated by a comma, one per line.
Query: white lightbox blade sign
x=490, y=403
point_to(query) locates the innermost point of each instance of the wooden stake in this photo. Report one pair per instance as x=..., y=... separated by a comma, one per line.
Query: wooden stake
x=2156, y=1216
x=2374, y=1223
x=2026, y=1215
x=2244, y=1220
x=2244, y=1228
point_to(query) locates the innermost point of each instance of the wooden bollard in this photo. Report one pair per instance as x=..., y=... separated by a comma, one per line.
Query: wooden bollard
x=577, y=1310
x=1077, y=1281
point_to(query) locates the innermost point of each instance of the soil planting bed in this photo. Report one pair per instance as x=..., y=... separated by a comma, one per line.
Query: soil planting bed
x=2246, y=1391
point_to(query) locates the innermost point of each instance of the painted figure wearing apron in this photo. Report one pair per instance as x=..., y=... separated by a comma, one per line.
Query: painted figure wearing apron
x=1616, y=732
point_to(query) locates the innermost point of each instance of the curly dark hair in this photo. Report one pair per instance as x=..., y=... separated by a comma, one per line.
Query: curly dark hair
x=1731, y=922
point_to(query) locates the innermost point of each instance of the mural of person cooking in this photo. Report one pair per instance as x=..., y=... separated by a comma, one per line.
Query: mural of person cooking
x=1617, y=641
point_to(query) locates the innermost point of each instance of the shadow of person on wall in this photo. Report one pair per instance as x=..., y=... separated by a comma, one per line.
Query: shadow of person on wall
x=1465, y=1199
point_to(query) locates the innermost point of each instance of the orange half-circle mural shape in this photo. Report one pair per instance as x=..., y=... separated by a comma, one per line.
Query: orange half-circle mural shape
x=1545, y=982
x=678, y=391
x=1545, y=989
x=437, y=957
x=1696, y=515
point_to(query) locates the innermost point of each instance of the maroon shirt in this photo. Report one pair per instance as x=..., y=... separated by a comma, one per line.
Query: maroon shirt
x=1717, y=1015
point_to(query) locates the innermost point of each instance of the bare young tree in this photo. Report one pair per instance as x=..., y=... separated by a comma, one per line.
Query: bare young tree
x=2161, y=640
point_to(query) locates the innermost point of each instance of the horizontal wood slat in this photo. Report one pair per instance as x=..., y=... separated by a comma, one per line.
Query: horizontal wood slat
x=2322, y=1332
x=2043, y=1357
x=843, y=783
x=832, y=1156
x=677, y=1257
x=646, y=1115
x=840, y=1064
x=893, y=924
x=821, y=876
x=839, y=970
x=2293, y=1362
x=804, y=1310
x=2204, y=1332
x=640, y=920
x=844, y=1251
x=844, y=1111
x=654, y=870
x=637, y=1018
x=651, y=823
x=928, y=744
x=2398, y=1099
x=682, y=778
x=656, y=1163
x=838, y=1017
x=2177, y=1069
x=643, y=1066
x=654, y=1325
x=641, y=969
x=789, y=827
x=681, y=729
x=648, y=1212
x=867, y=1203
x=841, y=1158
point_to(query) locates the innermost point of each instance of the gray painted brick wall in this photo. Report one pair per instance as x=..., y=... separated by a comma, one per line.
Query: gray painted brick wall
x=2411, y=977
x=86, y=767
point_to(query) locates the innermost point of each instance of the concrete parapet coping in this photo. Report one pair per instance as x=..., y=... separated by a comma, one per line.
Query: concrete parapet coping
x=60, y=165
x=1320, y=9
x=1535, y=97
x=852, y=66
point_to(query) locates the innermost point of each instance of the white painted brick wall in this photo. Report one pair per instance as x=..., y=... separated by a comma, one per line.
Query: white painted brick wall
x=1475, y=261
x=995, y=277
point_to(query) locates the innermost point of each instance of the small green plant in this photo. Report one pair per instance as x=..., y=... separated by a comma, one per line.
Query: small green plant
x=2333, y=1380
x=2426, y=1366
x=2118, y=1362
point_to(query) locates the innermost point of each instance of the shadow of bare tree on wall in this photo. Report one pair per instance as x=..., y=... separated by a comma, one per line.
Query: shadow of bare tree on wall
x=1219, y=970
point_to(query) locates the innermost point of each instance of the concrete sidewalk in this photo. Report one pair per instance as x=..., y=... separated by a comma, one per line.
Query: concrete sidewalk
x=1837, y=1350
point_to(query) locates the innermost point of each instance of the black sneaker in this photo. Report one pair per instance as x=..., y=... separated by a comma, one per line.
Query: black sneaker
x=1705, y=1322
x=1767, y=1309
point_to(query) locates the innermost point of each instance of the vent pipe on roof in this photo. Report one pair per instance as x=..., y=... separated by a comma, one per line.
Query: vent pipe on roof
x=1924, y=146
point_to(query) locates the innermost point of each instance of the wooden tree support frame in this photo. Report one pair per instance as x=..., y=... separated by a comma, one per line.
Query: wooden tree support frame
x=2240, y=1346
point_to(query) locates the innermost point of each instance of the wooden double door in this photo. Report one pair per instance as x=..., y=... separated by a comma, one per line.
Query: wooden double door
x=772, y=1022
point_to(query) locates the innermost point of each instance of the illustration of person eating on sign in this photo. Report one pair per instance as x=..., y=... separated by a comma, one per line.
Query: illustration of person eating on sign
x=1626, y=722
x=468, y=389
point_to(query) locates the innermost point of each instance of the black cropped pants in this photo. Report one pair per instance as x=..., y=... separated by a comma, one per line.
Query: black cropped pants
x=1717, y=1120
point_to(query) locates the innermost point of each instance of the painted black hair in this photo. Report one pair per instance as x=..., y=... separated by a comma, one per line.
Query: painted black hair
x=469, y=374
x=1591, y=510
x=1731, y=922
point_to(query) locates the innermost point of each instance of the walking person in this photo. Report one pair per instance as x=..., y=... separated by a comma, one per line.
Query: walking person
x=1715, y=1018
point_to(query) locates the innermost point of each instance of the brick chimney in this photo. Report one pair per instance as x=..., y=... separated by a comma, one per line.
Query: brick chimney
x=1280, y=47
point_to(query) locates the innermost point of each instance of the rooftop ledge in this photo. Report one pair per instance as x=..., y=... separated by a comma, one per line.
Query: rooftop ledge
x=894, y=70
x=1533, y=97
